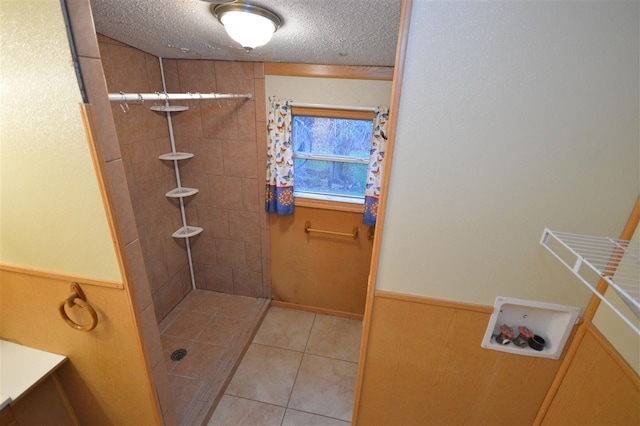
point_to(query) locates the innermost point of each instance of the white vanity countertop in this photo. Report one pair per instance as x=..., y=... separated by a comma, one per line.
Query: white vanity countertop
x=21, y=368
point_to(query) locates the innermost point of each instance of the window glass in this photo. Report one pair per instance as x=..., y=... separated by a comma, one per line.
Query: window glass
x=331, y=155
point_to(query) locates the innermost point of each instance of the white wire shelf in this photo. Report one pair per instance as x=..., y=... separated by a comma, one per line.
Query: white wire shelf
x=615, y=261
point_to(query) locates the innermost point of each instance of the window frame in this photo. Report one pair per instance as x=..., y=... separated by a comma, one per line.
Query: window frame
x=327, y=201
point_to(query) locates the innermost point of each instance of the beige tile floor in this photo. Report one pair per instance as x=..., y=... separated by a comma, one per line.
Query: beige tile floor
x=300, y=369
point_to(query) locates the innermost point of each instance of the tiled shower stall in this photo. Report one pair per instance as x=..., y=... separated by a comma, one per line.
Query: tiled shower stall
x=228, y=140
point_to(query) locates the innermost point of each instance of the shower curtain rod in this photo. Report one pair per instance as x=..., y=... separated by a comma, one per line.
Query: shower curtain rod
x=157, y=96
x=325, y=106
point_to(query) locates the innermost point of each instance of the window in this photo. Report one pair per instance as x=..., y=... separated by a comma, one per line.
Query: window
x=331, y=153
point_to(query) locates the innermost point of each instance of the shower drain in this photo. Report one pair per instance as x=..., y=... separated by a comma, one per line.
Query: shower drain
x=178, y=354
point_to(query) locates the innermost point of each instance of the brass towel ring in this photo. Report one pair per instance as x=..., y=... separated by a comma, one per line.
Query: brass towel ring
x=77, y=297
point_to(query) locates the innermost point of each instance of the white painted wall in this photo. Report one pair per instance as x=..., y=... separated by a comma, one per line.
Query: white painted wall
x=332, y=91
x=51, y=213
x=514, y=116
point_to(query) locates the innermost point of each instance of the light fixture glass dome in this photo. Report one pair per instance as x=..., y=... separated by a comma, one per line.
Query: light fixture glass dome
x=249, y=25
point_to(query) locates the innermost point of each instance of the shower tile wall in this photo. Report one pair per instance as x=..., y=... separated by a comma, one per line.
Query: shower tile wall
x=228, y=141
x=228, y=169
x=143, y=136
x=108, y=150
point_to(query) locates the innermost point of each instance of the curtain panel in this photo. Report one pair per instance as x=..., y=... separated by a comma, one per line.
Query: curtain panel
x=279, y=194
x=376, y=158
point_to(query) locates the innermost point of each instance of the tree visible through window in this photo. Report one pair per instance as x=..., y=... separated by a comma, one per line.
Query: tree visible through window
x=331, y=155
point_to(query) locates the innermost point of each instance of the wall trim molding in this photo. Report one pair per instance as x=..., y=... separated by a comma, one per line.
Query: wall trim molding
x=418, y=345
x=61, y=277
x=433, y=302
x=315, y=310
x=328, y=71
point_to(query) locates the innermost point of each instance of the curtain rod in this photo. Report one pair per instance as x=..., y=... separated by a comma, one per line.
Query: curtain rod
x=157, y=96
x=324, y=106
x=139, y=97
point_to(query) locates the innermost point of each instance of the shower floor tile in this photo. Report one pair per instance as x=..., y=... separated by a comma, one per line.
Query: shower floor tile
x=171, y=344
x=188, y=325
x=207, y=302
x=215, y=329
x=220, y=329
x=201, y=361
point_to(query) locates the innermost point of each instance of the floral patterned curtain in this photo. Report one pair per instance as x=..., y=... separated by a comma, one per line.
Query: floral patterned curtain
x=376, y=157
x=279, y=195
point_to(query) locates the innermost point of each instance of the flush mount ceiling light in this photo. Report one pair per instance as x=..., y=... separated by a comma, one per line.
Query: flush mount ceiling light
x=249, y=25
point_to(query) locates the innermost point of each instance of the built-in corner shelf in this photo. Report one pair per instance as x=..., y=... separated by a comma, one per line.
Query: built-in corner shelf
x=550, y=322
x=176, y=156
x=169, y=108
x=187, y=232
x=592, y=259
x=181, y=192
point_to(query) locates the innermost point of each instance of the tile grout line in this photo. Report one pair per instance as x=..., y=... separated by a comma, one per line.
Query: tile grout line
x=211, y=316
x=315, y=316
x=318, y=415
x=172, y=321
x=331, y=358
x=299, y=366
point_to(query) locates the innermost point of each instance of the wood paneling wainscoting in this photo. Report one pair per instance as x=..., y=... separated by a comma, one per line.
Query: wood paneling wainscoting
x=424, y=365
x=105, y=377
x=598, y=388
x=421, y=361
x=53, y=406
x=318, y=270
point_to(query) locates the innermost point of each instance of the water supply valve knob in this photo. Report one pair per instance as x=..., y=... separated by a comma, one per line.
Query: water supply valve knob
x=506, y=334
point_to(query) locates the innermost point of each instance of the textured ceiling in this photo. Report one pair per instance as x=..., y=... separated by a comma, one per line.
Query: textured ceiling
x=340, y=32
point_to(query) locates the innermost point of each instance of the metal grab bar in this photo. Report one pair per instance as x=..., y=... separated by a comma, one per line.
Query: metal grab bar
x=78, y=298
x=353, y=234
